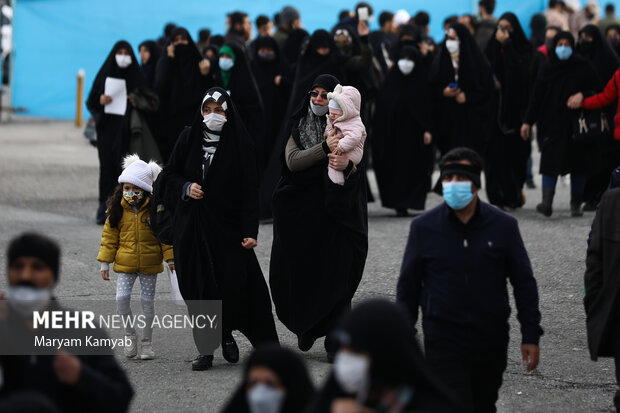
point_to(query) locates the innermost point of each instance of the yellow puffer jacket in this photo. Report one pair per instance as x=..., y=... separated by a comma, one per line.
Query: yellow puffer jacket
x=132, y=245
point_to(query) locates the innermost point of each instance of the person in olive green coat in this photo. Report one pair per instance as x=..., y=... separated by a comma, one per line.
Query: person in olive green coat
x=129, y=242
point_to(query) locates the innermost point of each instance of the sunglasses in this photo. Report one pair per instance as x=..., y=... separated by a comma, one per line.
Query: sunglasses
x=315, y=94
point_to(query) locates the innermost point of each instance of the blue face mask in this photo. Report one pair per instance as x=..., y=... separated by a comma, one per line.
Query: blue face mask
x=457, y=194
x=226, y=63
x=563, y=52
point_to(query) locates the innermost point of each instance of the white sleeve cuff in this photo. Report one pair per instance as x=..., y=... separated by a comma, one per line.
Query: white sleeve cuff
x=105, y=266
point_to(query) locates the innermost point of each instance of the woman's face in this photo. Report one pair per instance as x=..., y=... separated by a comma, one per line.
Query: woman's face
x=504, y=25
x=264, y=375
x=213, y=107
x=586, y=37
x=613, y=35
x=563, y=42
x=179, y=39
x=123, y=52
x=145, y=55
x=319, y=96
x=323, y=51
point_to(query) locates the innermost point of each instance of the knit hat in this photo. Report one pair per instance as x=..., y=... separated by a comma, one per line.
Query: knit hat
x=139, y=173
x=37, y=246
x=333, y=104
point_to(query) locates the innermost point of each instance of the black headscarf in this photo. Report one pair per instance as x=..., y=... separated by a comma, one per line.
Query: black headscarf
x=600, y=53
x=149, y=68
x=291, y=372
x=132, y=74
x=474, y=72
x=615, y=27
x=407, y=30
x=293, y=45
x=555, y=67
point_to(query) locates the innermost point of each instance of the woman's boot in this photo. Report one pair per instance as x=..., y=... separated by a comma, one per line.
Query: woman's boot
x=575, y=205
x=545, y=207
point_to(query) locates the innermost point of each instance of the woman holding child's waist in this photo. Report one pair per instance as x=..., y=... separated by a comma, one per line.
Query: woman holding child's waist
x=320, y=227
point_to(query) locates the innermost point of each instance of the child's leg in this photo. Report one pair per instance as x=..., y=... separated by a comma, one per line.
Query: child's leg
x=124, y=285
x=335, y=176
x=148, y=283
x=355, y=155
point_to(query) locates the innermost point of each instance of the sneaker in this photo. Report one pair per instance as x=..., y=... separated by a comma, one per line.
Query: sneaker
x=147, y=352
x=131, y=349
x=202, y=363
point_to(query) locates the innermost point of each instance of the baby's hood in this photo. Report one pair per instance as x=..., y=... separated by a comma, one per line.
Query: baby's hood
x=349, y=100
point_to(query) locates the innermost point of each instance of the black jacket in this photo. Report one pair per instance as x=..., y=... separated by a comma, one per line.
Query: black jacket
x=457, y=273
x=601, y=277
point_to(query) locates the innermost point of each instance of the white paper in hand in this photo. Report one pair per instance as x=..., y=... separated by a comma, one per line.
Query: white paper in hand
x=117, y=89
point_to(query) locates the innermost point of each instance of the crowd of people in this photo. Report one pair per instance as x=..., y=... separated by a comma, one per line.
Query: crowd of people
x=285, y=126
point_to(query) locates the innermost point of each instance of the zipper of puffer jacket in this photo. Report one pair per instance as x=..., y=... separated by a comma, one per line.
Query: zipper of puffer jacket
x=137, y=241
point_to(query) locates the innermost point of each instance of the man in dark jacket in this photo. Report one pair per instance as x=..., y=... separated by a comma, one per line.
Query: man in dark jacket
x=455, y=267
x=68, y=383
x=602, y=283
x=488, y=23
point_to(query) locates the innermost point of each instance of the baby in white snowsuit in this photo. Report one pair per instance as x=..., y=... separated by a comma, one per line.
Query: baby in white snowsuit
x=344, y=115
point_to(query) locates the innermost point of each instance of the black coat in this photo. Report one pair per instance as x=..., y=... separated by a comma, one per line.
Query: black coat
x=556, y=82
x=211, y=263
x=320, y=243
x=402, y=163
x=601, y=280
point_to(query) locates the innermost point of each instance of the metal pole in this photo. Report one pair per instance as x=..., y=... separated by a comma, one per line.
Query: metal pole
x=80, y=93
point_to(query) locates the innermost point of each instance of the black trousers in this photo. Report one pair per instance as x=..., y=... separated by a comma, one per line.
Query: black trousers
x=616, y=343
x=474, y=375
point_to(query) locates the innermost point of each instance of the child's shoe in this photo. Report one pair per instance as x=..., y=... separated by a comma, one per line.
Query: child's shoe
x=147, y=352
x=131, y=345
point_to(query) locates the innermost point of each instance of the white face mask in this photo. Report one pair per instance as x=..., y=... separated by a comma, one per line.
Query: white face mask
x=452, y=45
x=265, y=399
x=351, y=371
x=214, y=122
x=26, y=299
x=123, y=61
x=318, y=110
x=406, y=66
x=226, y=63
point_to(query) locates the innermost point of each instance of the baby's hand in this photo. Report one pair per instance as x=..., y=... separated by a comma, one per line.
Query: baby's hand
x=337, y=151
x=105, y=275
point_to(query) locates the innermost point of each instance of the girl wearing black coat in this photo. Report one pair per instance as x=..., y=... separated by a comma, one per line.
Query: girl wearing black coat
x=564, y=75
x=274, y=379
x=320, y=229
x=463, y=84
x=402, y=123
x=211, y=188
x=510, y=56
x=112, y=130
x=182, y=76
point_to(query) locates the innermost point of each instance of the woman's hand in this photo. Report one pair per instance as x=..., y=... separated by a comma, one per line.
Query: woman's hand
x=575, y=101
x=348, y=406
x=526, y=131
x=461, y=98
x=171, y=267
x=277, y=80
x=338, y=162
x=333, y=138
x=170, y=50
x=205, y=66
x=195, y=191
x=249, y=243
x=105, y=275
x=362, y=28
x=428, y=138
x=105, y=99
x=451, y=92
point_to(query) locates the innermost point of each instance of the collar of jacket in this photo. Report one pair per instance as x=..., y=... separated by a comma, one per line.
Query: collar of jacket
x=128, y=207
x=451, y=217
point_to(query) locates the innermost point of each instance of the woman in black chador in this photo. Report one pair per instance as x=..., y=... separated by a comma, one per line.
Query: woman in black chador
x=112, y=130
x=181, y=78
x=401, y=147
x=510, y=55
x=320, y=229
x=463, y=83
x=211, y=186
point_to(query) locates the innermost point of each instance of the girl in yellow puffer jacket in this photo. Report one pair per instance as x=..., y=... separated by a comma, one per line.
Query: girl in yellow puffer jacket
x=128, y=241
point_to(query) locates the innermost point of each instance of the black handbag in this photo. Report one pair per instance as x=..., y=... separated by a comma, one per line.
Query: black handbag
x=589, y=126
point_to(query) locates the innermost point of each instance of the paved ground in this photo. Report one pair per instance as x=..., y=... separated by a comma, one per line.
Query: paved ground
x=48, y=183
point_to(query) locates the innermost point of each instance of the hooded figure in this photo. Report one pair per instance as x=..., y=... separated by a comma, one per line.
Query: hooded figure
x=510, y=56
x=294, y=390
x=112, y=130
x=211, y=262
x=595, y=48
x=402, y=159
x=379, y=361
x=273, y=77
x=292, y=48
x=559, y=78
x=180, y=86
x=614, y=41
x=463, y=83
x=239, y=82
x=313, y=217
x=149, y=68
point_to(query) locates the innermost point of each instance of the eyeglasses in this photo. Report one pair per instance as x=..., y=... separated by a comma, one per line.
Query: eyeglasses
x=315, y=94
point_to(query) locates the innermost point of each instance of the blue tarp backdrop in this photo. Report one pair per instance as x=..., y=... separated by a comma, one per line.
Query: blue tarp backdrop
x=53, y=39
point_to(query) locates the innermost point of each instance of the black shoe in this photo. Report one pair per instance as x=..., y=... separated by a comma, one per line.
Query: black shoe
x=575, y=205
x=530, y=183
x=590, y=206
x=101, y=215
x=230, y=350
x=304, y=343
x=402, y=212
x=546, y=206
x=202, y=363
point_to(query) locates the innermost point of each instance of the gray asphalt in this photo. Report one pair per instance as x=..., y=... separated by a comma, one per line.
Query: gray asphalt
x=48, y=183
